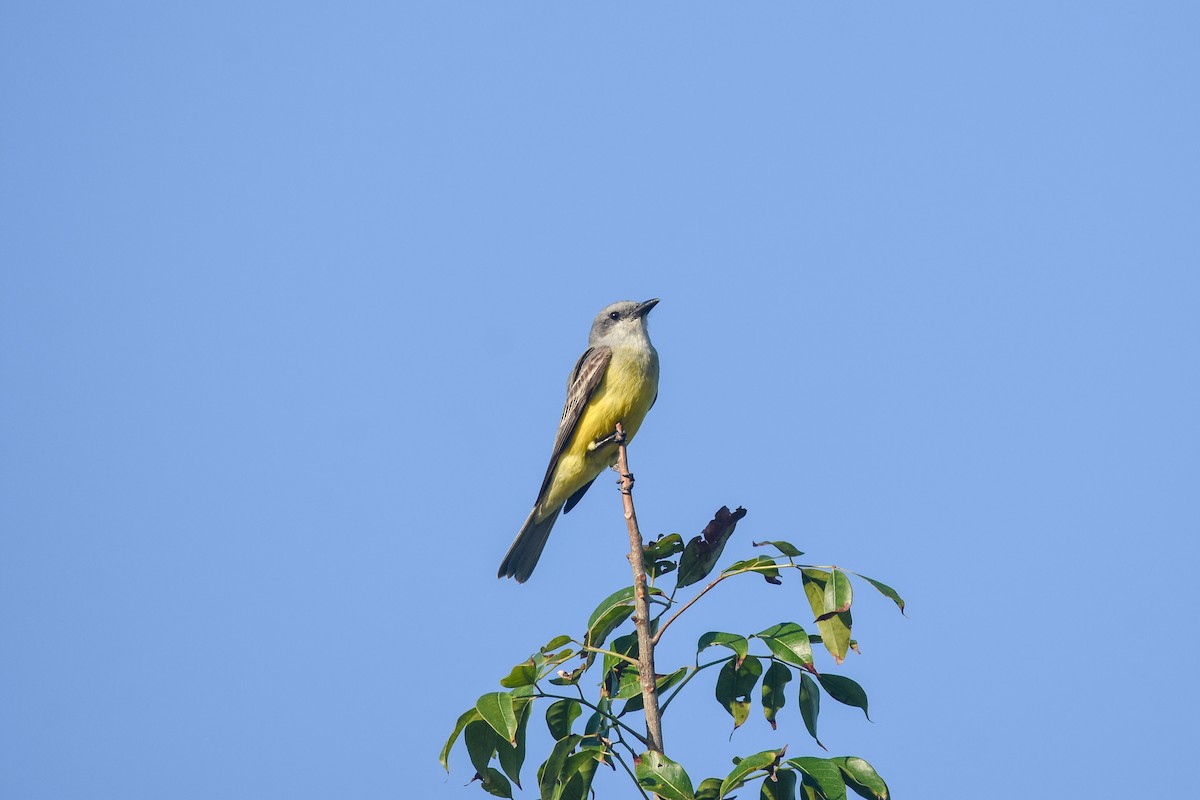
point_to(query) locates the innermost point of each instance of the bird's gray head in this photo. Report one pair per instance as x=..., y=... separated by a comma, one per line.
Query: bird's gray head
x=620, y=323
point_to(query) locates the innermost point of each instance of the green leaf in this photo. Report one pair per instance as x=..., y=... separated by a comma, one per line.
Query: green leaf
x=763, y=565
x=512, y=758
x=838, y=593
x=773, y=697
x=630, y=685
x=663, y=547
x=764, y=760
x=481, y=744
x=598, y=724
x=835, y=630
x=560, y=715
x=734, y=685
x=886, y=591
x=701, y=553
x=737, y=644
x=844, y=690
x=608, y=616
x=789, y=643
x=615, y=609
x=862, y=778
x=660, y=568
x=626, y=645
x=577, y=776
x=523, y=674
x=780, y=786
x=659, y=774
x=810, y=705
x=822, y=775
x=661, y=684
x=787, y=548
x=496, y=708
x=709, y=789
x=495, y=784
x=468, y=716
x=553, y=766
x=555, y=643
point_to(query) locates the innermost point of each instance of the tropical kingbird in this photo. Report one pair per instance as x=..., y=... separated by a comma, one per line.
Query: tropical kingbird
x=615, y=380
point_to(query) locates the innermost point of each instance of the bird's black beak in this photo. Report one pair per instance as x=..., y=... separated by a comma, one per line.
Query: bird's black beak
x=642, y=309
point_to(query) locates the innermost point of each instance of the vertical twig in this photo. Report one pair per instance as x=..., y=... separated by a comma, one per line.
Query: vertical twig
x=641, y=612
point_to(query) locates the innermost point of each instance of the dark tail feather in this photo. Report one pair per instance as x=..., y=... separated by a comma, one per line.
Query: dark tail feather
x=526, y=549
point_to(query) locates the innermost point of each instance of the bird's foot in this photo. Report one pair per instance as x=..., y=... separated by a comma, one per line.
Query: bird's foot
x=612, y=438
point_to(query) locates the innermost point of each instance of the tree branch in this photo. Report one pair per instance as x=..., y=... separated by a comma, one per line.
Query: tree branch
x=688, y=605
x=641, y=613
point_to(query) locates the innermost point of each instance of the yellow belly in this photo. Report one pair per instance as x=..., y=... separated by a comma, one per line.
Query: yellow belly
x=625, y=394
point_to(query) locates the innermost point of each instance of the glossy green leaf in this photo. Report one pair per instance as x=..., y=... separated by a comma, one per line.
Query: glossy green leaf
x=709, y=789
x=577, y=776
x=737, y=644
x=660, y=568
x=834, y=630
x=554, y=659
x=495, y=783
x=763, y=565
x=630, y=684
x=466, y=717
x=615, y=609
x=780, y=786
x=600, y=626
x=661, y=684
x=552, y=768
x=481, y=743
x=598, y=724
x=786, y=548
x=764, y=760
x=789, y=643
x=496, y=708
x=862, y=778
x=822, y=775
x=734, y=685
x=523, y=674
x=701, y=553
x=835, y=634
x=810, y=705
x=663, y=547
x=512, y=757
x=773, y=685
x=845, y=690
x=555, y=643
x=559, y=716
x=626, y=645
x=662, y=776
x=838, y=593
x=886, y=591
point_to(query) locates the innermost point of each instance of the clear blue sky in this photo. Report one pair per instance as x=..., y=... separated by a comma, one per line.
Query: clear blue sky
x=289, y=292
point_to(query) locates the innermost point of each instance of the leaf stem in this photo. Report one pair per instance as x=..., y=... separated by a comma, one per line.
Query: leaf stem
x=602, y=651
x=632, y=777
x=686, y=606
x=692, y=674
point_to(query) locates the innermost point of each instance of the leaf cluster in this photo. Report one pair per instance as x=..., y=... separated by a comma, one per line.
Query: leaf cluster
x=770, y=661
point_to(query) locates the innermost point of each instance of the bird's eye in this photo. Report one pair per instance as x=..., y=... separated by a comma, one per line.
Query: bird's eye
x=616, y=315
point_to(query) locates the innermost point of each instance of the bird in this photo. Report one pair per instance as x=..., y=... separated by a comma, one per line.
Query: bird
x=615, y=380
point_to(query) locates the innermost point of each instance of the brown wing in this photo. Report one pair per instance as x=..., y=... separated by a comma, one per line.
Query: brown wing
x=588, y=372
